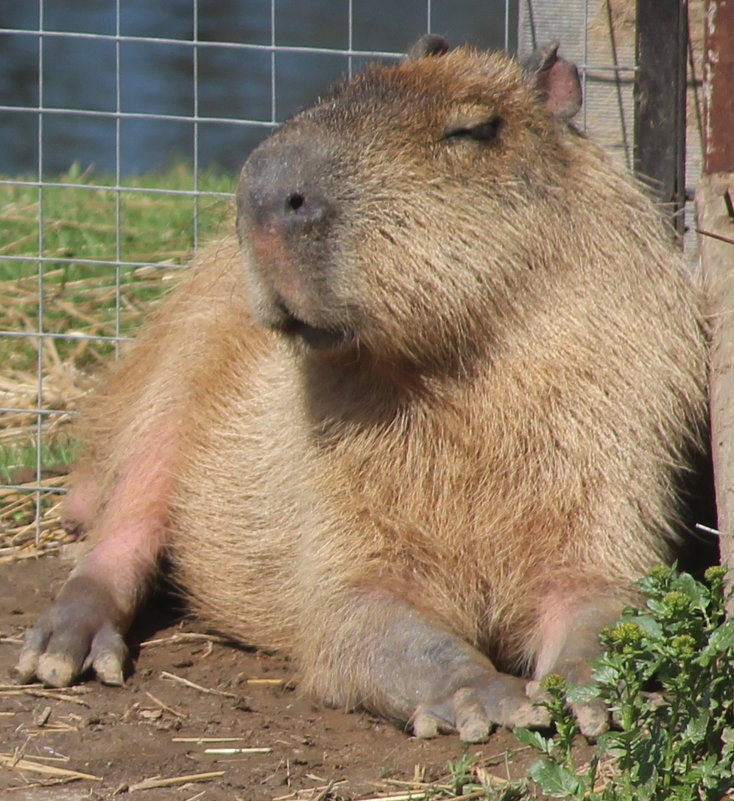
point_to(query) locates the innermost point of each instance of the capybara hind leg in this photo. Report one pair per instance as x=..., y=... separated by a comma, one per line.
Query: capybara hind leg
x=85, y=626
x=392, y=658
x=570, y=623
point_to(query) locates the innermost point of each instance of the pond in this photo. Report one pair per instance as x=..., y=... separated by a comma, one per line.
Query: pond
x=134, y=86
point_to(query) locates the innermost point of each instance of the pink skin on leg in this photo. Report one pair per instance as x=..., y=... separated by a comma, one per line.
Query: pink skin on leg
x=87, y=622
x=133, y=530
x=569, y=625
x=79, y=504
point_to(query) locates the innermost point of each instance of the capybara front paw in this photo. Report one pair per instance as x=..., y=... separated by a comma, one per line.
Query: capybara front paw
x=592, y=716
x=57, y=655
x=474, y=711
x=77, y=633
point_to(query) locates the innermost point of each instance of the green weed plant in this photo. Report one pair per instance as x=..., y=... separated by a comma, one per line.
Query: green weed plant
x=674, y=744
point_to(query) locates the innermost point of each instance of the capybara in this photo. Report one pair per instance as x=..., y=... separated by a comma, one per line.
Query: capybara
x=423, y=426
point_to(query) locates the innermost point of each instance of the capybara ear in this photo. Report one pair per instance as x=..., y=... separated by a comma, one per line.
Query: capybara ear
x=430, y=44
x=555, y=80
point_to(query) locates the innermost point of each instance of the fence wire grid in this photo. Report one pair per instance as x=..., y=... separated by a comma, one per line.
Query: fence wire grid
x=115, y=115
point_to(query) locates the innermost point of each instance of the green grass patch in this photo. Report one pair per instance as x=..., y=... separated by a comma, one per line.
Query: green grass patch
x=18, y=459
x=147, y=221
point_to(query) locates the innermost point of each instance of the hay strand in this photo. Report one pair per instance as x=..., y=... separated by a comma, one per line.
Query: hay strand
x=150, y=784
x=23, y=763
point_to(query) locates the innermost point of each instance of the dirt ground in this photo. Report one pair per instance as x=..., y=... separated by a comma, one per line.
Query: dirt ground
x=160, y=727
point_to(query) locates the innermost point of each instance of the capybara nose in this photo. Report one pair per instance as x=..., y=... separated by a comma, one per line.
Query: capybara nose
x=283, y=188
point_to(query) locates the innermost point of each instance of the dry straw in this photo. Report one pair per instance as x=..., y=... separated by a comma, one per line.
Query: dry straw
x=47, y=386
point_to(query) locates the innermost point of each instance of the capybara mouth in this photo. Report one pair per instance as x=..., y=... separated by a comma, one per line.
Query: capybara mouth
x=317, y=337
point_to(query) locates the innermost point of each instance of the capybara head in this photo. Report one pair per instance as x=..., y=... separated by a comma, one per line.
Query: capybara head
x=392, y=216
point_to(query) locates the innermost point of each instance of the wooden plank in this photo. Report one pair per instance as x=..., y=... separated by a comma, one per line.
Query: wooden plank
x=660, y=101
x=715, y=210
x=718, y=79
x=716, y=229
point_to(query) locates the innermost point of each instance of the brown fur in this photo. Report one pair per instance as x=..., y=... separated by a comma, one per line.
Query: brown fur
x=499, y=442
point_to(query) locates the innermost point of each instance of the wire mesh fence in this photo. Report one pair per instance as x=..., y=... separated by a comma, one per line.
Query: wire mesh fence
x=122, y=126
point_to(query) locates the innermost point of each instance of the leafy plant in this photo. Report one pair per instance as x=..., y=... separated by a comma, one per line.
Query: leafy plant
x=673, y=745
x=460, y=773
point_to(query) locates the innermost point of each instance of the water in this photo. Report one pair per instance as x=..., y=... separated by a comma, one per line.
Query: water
x=77, y=79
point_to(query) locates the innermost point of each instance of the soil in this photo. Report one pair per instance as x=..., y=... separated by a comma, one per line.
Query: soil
x=156, y=726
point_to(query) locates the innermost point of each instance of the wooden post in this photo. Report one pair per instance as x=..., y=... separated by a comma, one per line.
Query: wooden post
x=660, y=102
x=718, y=77
x=715, y=212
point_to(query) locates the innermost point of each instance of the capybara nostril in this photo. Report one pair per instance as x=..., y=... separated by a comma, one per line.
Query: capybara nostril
x=271, y=200
x=295, y=202
x=302, y=209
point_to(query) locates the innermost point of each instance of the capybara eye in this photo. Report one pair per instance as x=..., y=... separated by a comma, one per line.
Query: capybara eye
x=484, y=131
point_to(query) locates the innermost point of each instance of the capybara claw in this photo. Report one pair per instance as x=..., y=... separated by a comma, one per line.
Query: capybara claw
x=34, y=646
x=474, y=712
x=529, y=716
x=56, y=670
x=592, y=717
x=109, y=669
x=107, y=657
x=472, y=721
x=425, y=725
x=25, y=670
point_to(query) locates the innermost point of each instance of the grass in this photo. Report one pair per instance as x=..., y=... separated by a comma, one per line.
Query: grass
x=108, y=253
x=146, y=224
